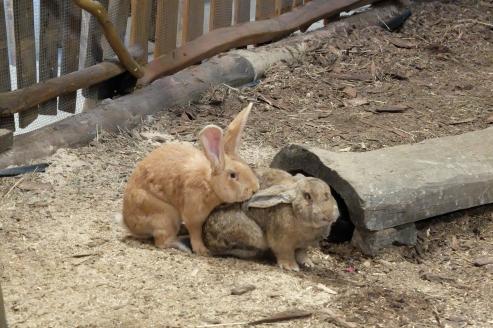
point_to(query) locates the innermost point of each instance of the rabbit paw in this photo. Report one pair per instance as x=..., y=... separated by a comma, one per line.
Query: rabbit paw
x=201, y=250
x=289, y=265
x=303, y=259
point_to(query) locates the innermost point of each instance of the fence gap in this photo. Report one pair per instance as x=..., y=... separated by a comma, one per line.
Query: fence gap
x=166, y=26
x=221, y=14
x=71, y=27
x=25, y=53
x=286, y=6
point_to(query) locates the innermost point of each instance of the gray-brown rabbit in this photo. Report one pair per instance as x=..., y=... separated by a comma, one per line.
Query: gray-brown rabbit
x=288, y=215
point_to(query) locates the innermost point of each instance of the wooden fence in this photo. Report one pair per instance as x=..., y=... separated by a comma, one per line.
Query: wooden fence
x=52, y=52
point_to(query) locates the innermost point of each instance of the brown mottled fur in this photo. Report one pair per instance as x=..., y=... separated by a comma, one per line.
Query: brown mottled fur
x=178, y=182
x=286, y=218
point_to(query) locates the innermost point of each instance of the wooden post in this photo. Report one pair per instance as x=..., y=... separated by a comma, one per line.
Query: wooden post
x=286, y=6
x=265, y=9
x=193, y=19
x=25, y=53
x=221, y=14
x=242, y=11
x=94, y=52
x=71, y=26
x=6, y=120
x=48, y=52
x=139, y=34
x=166, y=26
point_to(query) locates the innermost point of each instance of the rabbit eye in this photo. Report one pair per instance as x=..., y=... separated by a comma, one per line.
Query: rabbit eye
x=307, y=196
x=233, y=175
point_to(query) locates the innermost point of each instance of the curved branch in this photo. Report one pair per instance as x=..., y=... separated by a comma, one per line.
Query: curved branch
x=97, y=10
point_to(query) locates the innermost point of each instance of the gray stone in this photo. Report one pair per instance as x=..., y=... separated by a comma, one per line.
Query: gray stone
x=403, y=184
x=370, y=242
x=6, y=139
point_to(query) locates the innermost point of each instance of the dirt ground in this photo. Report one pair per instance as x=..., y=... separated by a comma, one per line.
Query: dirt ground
x=64, y=263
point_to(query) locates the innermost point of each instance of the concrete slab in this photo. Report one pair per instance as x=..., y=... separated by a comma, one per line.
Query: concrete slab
x=394, y=186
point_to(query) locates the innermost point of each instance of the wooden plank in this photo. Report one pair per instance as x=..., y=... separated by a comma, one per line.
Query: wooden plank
x=297, y=3
x=193, y=19
x=6, y=120
x=265, y=9
x=166, y=26
x=221, y=14
x=94, y=53
x=139, y=33
x=242, y=11
x=48, y=52
x=25, y=53
x=71, y=27
x=286, y=6
x=119, y=11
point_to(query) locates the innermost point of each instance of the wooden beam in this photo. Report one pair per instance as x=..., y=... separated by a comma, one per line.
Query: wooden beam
x=19, y=100
x=25, y=53
x=166, y=26
x=193, y=19
x=140, y=25
x=242, y=35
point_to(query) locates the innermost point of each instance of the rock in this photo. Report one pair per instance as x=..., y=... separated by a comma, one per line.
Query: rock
x=240, y=290
x=483, y=260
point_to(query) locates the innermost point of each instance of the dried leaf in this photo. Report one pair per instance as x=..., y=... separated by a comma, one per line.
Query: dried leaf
x=350, y=92
x=357, y=102
x=392, y=109
x=400, y=43
x=240, y=290
x=373, y=70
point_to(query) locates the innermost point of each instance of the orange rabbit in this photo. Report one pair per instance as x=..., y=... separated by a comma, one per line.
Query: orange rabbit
x=178, y=182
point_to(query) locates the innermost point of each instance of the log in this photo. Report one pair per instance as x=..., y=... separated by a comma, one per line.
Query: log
x=397, y=186
x=236, y=68
x=223, y=39
x=6, y=139
x=19, y=100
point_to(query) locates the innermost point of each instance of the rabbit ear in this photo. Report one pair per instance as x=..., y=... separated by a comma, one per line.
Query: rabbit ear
x=211, y=138
x=232, y=137
x=272, y=196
